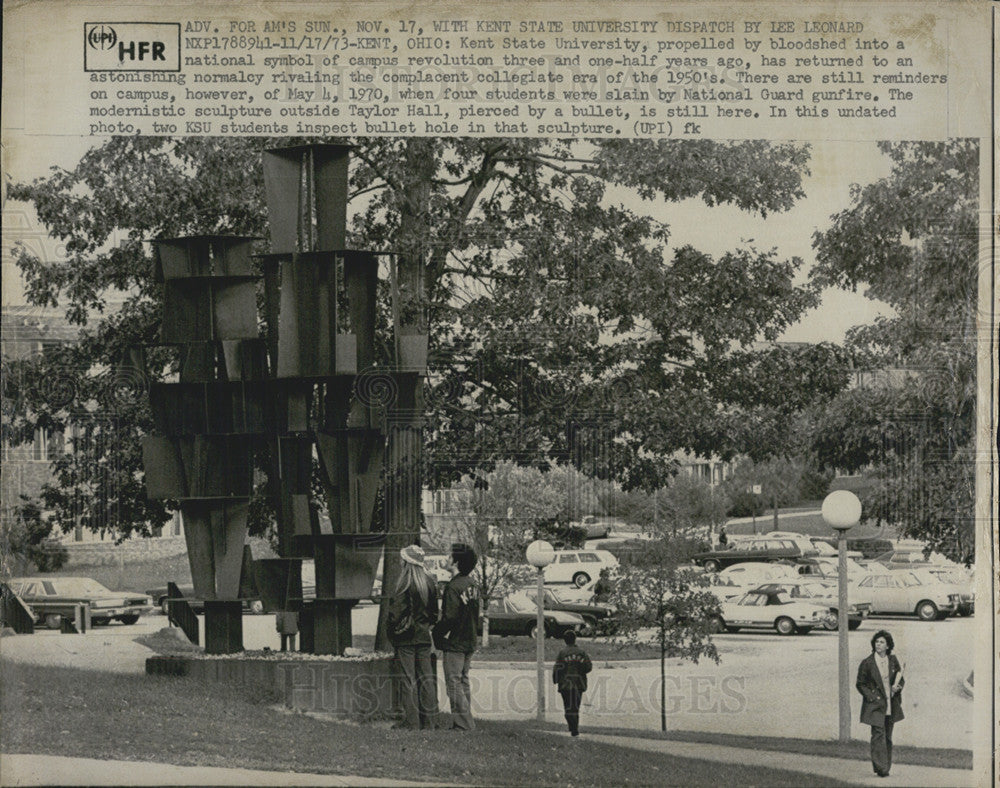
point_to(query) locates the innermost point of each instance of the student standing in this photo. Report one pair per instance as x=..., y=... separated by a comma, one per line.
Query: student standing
x=455, y=635
x=413, y=609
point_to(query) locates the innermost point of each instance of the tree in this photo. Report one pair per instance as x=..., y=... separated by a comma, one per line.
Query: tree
x=668, y=601
x=563, y=327
x=911, y=239
x=500, y=514
x=27, y=538
x=688, y=505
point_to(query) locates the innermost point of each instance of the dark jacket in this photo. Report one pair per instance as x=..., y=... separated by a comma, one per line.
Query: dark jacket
x=457, y=629
x=424, y=614
x=571, y=669
x=874, y=708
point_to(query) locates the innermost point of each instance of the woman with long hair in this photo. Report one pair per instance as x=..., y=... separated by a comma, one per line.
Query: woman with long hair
x=414, y=608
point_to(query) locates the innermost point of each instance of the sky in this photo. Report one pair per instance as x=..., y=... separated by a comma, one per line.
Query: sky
x=834, y=166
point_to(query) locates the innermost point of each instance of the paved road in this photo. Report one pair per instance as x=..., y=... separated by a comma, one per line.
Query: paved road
x=766, y=685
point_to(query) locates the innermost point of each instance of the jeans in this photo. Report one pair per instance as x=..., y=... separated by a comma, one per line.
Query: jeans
x=419, y=689
x=881, y=747
x=571, y=706
x=456, y=679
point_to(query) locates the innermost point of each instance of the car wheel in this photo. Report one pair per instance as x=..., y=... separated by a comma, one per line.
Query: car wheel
x=832, y=623
x=587, y=628
x=711, y=565
x=129, y=619
x=927, y=610
x=533, y=632
x=717, y=625
x=784, y=626
x=580, y=579
x=53, y=620
x=165, y=607
x=256, y=606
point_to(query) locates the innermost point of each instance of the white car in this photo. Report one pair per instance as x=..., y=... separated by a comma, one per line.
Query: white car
x=749, y=573
x=957, y=582
x=578, y=567
x=771, y=610
x=898, y=591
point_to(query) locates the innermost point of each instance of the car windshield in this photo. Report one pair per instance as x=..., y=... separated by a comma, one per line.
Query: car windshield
x=521, y=603
x=78, y=586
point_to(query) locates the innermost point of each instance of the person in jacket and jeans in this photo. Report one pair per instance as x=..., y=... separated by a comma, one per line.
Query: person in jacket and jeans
x=414, y=607
x=880, y=682
x=570, y=675
x=455, y=635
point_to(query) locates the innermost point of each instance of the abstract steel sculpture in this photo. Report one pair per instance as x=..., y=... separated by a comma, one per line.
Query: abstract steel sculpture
x=292, y=396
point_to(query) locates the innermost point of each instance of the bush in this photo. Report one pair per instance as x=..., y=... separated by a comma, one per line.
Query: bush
x=48, y=556
x=746, y=504
x=666, y=551
x=814, y=485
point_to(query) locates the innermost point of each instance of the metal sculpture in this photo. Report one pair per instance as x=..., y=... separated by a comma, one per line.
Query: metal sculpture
x=291, y=394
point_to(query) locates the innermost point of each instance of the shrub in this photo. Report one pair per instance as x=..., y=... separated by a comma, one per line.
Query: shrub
x=745, y=504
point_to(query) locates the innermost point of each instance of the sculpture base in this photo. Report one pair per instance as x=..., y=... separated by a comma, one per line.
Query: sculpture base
x=365, y=688
x=223, y=626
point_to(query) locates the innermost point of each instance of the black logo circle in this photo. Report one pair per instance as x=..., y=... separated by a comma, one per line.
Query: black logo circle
x=102, y=37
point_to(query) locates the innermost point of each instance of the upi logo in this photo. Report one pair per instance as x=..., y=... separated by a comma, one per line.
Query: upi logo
x=102, y=37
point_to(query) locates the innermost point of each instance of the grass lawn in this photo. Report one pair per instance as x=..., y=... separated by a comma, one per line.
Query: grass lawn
x=56, y=711
x=136, y=575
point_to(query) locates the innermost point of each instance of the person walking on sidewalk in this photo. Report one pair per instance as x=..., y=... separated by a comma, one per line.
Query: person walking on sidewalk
x=880, y=682
x=455, y=635
x=570, y=675
x=413, y=609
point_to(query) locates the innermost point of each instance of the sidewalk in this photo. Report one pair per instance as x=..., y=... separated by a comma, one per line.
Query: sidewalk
x=17, y=770
x=24, y=770
x=850, y=772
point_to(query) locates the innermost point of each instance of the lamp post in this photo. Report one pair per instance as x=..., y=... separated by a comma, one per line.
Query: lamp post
x=540, y=554
x=842, y=511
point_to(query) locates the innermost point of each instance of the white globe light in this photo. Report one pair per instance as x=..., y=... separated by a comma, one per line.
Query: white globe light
x=841, y=509
x=540, y=553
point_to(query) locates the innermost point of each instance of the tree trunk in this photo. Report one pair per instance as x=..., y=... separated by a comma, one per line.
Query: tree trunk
x=774, y=503
x=405, y=420
x=663, y=689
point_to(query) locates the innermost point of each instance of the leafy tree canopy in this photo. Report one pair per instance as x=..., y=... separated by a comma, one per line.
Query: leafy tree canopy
x=564, y=326
x=911, y=239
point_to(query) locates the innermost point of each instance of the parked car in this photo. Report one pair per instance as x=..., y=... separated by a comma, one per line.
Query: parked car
x=900, y=592
x=594, y=527
x=160, y=597
x=578, y=567
x=753, y=573
x=53, y=598
x=956, y=583
x=751, y=549
x=771, y=610
x=561, y=599
x=823, y=593
x=829, y=567
x=516, y=614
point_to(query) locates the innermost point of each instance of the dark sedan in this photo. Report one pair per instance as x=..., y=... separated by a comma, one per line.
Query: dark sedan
x=555, y=599
x=518, y=615
x=161, y=596
x=748, y=550
x=54, y=598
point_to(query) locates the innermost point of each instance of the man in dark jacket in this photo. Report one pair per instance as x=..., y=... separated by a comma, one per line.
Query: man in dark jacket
x=880, y=682
x=455, y=635
x=570, y=675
